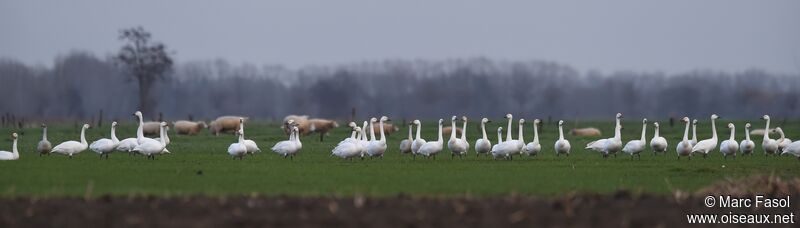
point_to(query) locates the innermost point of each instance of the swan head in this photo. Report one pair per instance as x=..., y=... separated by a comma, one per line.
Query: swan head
x=86, y=126
x=14, y=135
x=765, y=117
x=509, y=116
x=485, y=120
x=138, y=114
x=373, y=120
x=241, y=120
x=416, y=122
x=521, y=121
x=464, y=118
x=694, y=122
x=385, y=118
x=44, y=125
x=352, y=125
x=655, y=124
x=163, y=124
x=500, y=130
x=537, y=121
x=441, y=121
x=357, y=129
x=776, y=130
x=747, y=125
x=619, y=115
x=560, y=123
x=114, y=124
x=730, y=125
x=685, y=119
x=644, y=121
x=454, y=118
x=714, y=116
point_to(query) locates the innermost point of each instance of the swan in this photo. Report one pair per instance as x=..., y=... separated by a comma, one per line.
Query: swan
x=708, y=145
x=658, y=143
x=151, y=148
x=44, y=146
x=499, y=140
x=729, y=147
x=288, y=148
x=684, y=147
x=348, y=149
x=432, y=148
x=377, y=147
x=106, y=146
x=792, y=149
x=770, y=146
x=14, y=154
x=747, y=146
x=354, y=130
x=418, y=141
x=70, y=148
x=405, y=145
x=456, y=146
x=127, y=145
x=562, y=145
x=694, y=133
x=609, y=145
x=166, y=136
x=251, y=145
x=635, y=147
x=533, y=148
x=483, y=145
x=509, y=147
x=782, y=141
x=239, y=148
x=520, y=141
x=363, y=141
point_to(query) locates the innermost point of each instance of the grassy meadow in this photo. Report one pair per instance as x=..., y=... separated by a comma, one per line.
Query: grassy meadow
x=200, y=165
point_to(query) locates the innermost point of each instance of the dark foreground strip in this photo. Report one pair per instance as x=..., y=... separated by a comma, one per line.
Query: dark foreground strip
x=618, y=210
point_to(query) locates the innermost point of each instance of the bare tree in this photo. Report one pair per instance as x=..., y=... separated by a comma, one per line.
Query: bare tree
x=145, y=60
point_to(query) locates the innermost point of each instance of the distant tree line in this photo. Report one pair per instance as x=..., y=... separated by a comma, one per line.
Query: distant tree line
x=79, y=85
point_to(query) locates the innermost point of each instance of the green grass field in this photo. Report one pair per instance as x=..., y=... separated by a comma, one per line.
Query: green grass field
x=315, y=173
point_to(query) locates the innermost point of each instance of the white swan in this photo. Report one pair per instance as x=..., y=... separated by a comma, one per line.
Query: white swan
x=747, y=146
x=349, y=149
x=694, y=133
x=684, y=147
x=456, y=146
x=70, y=148
x=377, y=147
x=238, y=149
x=610, y=145
x=483, y=145
x=405, y=144
x=499, y=140
x=533, y=148
x=151, y=148
x=520, y=141
x=658, y=144
x=782, y=141
x=464, y=133
x=562, y=145
x=14, y=154
x=363, y=141
x=770, y=146
x=730, y=146
x=44, y=146
x=792, y=149
x=509, y=147
x=288, y=148
x=105, y=146
x=706, y=146
x=354, y=132
x=251, y=145
x=418, y=141
x=430, y=149
x=635, y=147
x=127, y=145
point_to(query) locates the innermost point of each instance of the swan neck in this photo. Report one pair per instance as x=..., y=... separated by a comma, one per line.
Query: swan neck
x=686, y=132
x=508, y=131
x=766, y=131
x=83, y=136
x=383, y=136
x=44, y=134
x=536, y=133
x=694, y=132
x=140, y=129
x=657, y=131
x=419, y=126
x=713, y=129
x=14, y=148
x=440, y=133
x=483, y=130
x=114, y=134
x=733, y=132
x=560, y=132
x=519, y=134
x=499, y=137
x=464, y=131
x=353, y=135
x=162, y=138
x=410, y=138
x=371, y=130
x=453, y=129
x=644, y=130
x=747, y=133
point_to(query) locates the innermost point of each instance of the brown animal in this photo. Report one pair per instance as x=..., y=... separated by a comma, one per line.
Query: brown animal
x=761, y=132
x=447, y=130
x=321, y=126
x=586, y=132
x=183, y=127
x=151, y=128
x=225, y=124
x=303, y=126
x=388, y=128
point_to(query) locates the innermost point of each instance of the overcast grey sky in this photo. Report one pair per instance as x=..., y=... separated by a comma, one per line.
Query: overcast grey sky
x=642, y=35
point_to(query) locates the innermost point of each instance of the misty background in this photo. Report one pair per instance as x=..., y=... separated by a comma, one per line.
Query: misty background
x=409, y=59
